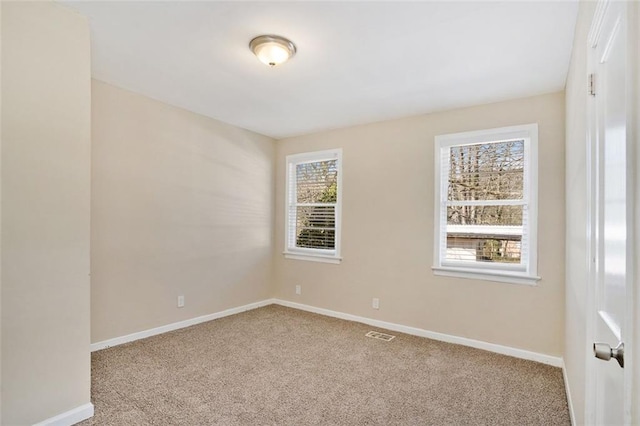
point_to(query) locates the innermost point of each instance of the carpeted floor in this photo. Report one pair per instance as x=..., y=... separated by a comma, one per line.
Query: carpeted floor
x=281, y=366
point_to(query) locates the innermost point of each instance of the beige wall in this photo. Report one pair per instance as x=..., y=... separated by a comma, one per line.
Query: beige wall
x=181, y=204
x=45, y=211
x=577, y=258
x=634, y=26
x=387, y=236
x=0, y=216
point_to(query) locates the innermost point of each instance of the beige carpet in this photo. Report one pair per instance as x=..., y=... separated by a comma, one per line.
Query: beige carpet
x=281, y=366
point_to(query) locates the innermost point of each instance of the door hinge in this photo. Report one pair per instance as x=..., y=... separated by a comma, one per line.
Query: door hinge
x=592, y=84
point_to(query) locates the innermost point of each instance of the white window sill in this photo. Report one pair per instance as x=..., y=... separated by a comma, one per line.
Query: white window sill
x=487, y=275
x=312, y=257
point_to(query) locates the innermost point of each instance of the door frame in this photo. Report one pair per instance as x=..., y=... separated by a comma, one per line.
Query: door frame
x=632, y=395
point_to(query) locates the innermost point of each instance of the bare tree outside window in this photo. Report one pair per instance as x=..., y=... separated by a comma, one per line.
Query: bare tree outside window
x=316, y=198
x=485, y=202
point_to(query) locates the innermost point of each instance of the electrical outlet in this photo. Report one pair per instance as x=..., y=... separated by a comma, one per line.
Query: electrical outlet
x=375, y=304
x=298, y=289
x=180, y=301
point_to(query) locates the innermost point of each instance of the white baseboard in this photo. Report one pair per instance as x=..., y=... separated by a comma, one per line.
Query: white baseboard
x=492, y=347
x=568, y=390
x=70, y=417
x=177, y=325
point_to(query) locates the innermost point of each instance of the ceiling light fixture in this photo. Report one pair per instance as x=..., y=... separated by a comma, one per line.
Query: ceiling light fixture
x=272, y=49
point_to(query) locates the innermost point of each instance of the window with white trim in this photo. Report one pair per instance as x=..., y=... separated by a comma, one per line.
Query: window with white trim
x=486, y=204
x=314, y=187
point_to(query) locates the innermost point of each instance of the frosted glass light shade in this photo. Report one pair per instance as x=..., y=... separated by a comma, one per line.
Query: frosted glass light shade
x=272, y=50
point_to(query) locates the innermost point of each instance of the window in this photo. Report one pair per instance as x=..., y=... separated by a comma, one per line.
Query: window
x=486, y=204
x=314, y=186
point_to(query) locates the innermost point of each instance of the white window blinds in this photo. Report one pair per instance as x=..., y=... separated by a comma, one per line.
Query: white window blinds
x=313, y=195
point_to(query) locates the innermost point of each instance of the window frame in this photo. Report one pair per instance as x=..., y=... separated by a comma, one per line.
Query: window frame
x=305, y=253
x=521, y=274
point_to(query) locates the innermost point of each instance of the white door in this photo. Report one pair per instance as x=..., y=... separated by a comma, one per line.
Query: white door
x=612, y=203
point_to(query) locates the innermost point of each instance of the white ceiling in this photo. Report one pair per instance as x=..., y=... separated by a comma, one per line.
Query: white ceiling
x=357, y=62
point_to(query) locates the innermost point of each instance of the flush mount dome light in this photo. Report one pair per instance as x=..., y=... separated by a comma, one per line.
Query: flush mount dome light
x=272, y=49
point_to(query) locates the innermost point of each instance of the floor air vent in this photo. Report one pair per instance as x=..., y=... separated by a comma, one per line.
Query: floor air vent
x=380, y=336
